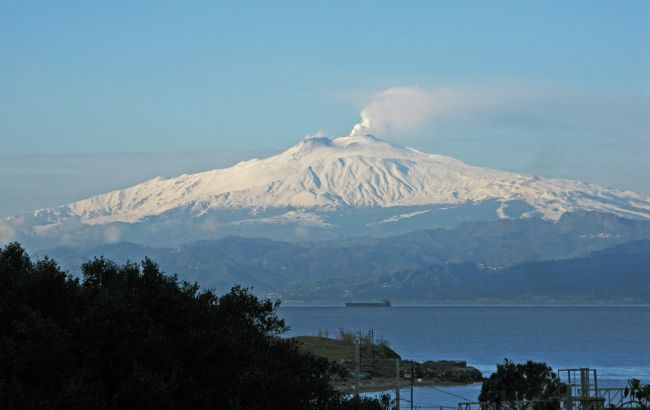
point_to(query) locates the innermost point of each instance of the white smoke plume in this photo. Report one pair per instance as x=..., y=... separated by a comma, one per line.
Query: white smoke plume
x=402, y=108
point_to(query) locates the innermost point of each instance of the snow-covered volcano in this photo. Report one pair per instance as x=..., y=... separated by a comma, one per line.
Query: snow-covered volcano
x=356, y=171
x=317, y=180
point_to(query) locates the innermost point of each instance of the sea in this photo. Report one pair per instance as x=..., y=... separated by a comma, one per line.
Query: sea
x=614, y=340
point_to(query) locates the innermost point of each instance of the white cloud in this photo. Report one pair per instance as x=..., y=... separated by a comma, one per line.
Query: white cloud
x=301, y=231
x=317, y=134
x=112, y=234
x=7, y=233
x=210, y=225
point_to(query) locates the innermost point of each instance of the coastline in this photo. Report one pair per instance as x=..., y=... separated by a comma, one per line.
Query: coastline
x=286, y=304
x=379, y=385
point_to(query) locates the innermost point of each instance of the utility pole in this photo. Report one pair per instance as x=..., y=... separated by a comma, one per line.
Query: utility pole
x=372, y=344
x=411, y=384
x=397, y=384
x=357, y=359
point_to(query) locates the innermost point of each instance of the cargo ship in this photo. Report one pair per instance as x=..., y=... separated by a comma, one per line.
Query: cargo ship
x=383, y=303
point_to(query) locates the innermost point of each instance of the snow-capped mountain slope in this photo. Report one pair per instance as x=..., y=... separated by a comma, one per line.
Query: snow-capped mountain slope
x=352, y=171
x=320, y=188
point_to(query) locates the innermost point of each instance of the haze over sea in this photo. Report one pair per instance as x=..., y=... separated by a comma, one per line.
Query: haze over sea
x=613, y=339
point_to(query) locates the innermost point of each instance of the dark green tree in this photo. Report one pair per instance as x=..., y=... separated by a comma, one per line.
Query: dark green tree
x=515, y=385
x=129, y=336
x=637, y=394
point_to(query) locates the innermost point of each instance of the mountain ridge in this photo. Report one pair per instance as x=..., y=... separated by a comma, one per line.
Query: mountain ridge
x=354, y=185
x=274, y=266
x=352, y=171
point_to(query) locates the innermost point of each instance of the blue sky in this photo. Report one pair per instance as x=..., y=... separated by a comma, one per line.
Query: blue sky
x=554, y=88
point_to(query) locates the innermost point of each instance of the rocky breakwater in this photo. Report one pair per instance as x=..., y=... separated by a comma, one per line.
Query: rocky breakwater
x=377, y=365
x=441, y=372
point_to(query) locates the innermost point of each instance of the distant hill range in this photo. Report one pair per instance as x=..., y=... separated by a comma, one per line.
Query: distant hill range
x=358, y=218
x=318, y=189
x=581, y=258
x=619, y=275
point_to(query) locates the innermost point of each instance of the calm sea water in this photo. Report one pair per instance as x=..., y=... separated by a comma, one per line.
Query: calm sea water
x=613, y=339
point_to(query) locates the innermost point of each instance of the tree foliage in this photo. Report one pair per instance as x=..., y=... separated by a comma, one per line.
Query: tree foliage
x=515, y=384
x=129, y=336
x=637, y=394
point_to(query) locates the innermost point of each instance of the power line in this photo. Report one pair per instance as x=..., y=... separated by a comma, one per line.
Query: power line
x=451, y=394
x=421, y=404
